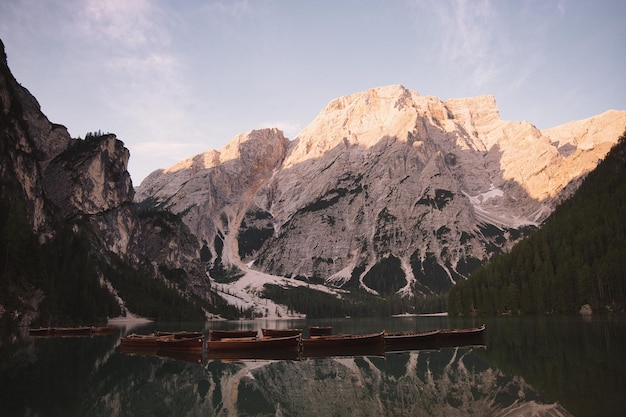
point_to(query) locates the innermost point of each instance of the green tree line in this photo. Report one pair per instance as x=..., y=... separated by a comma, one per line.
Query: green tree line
x=65, y=273
x=318, y=304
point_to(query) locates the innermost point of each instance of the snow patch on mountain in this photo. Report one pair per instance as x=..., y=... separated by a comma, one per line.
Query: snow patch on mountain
x=247, y=293
x=486, y=214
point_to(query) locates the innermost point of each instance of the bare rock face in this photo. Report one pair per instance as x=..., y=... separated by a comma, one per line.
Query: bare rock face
x=90, y=176
x=213, y=191
x=385, y=189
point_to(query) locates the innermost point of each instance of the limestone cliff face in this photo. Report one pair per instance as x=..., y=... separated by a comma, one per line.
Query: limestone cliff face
x=83, y=186
x=89, y=176
x=214, y=190
x=386, y=189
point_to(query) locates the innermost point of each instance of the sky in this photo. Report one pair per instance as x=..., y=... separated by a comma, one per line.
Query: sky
x=173, y=79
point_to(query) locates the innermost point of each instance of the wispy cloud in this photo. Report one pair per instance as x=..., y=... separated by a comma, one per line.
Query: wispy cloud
x=128, y=24
x=468, y=38
x=145, y=77
x=230, y=8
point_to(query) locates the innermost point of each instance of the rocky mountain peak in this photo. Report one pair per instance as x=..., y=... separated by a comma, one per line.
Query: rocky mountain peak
x=385, y=189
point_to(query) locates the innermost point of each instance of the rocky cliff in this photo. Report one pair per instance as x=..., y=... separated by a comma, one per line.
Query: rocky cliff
x=386, y=190
x=76, y=197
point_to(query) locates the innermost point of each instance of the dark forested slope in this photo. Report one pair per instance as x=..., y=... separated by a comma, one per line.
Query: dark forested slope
x=578, y=257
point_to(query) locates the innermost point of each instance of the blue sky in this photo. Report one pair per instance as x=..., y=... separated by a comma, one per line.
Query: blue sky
x=175, y=78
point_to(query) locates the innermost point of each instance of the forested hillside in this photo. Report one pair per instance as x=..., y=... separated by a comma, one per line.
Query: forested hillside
x=578, y=257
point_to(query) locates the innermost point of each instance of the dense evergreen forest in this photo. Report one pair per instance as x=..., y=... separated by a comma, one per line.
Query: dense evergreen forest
x=61, y=276
x=318, y=304
x=577, y=257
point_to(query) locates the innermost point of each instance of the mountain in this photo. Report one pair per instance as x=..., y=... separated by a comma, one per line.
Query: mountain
x=386, y=191
x=75, y=248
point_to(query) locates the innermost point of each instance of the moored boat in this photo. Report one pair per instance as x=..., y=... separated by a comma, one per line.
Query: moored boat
x=281, y=332
x=344, y=345
x=461, y=337
x=276, y=344
x=142, y=341
x=181, y=334
x=343, y=341
x=411, y=340
x=102, y=330
x=72, y=331
x=41, y=331
x=180, y=343
x=231, y=334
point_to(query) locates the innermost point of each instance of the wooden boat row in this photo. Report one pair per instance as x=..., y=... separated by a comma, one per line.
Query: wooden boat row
x=70, y=331
x=289, y=344
x=276, y=346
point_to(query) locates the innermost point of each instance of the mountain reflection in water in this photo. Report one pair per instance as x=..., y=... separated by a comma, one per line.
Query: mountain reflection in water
x=90, y=376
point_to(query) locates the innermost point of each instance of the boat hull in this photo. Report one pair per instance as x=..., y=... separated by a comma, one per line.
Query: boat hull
x=344, y=345
x=289, y=343
x=142, y=342
x=411, y=340
x=181, y=343
x=462, y=337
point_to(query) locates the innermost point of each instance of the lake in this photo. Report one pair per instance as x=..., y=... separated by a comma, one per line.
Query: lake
x=540, y=366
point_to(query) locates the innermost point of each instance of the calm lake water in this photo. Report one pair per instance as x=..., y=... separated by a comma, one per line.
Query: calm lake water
x=549, y=366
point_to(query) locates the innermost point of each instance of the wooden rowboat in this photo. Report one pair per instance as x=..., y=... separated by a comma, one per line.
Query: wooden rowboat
x=411, y=340
x=41, y=331
x=231, y=334
x=275, y=344
x=344, y=345
x=180, y=343
x=102, y=330
x=461, y=337
x=141, y=341
x=281, y=332
x=342, y=341
x=180, y=335
x=72, y=331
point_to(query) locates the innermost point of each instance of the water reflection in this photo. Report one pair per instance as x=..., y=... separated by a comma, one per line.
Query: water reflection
x=528, y=366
